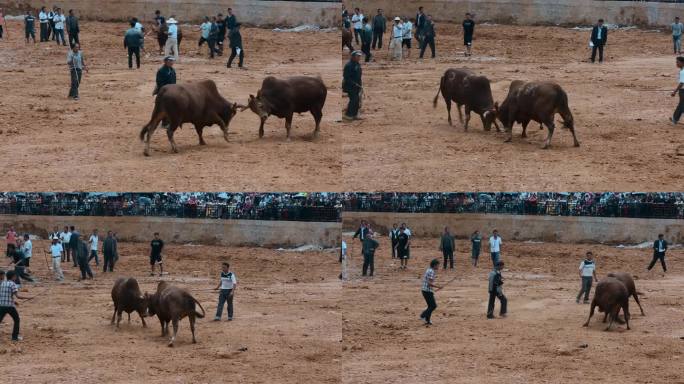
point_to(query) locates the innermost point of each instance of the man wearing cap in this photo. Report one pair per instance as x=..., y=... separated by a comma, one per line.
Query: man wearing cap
x=496, y=291
x=172, y=39
x=352, y=85
x=396, y=39
x=133, y=41
x=166, y=74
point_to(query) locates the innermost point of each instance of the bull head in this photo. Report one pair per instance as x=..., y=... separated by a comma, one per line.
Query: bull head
x=489, y=117
x=257, y=106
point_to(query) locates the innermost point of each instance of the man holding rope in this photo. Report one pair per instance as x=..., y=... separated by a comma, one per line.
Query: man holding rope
x=8, y=291
x=428, y=291
x=352, y=85
x=76, y=64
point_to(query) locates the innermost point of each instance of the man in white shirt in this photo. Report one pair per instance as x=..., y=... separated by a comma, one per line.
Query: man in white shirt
x=172, y=40
x=59, y=20
x=27, y=248
x=56, y=250
x=396, y=39
x=680, y=89
x=228, y=285
x=44, y=25
x=93, y=241
x=357, y=22
x=407, y=35
x=677, y=29
x=587, y=272
x=495, y=246
x=65, y=238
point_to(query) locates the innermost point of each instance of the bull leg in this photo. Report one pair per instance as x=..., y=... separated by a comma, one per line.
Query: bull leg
x=605, y=316
x=113, y=315
x=261, y=128
x=169, y=134
x=467, y=119
x=318, y=115
x=200, y=130
x=496, y=125
x=613, y=315
x=625, y=310
x=150, y=131
x=577, y=144
x=143, y=319
x=551, y=127
x=591, y=313
x=119, y=314
x=175, y=332
x=638, y=303
x=448, y=105
x=524, y=125
x=129, y=317
x=162, y=327
x=288, y=126
x=192, y=327
x=460, y=115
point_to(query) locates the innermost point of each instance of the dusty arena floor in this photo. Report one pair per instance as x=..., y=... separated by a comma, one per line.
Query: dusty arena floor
x=287, y=317
x=627, y=142
x=93, y=144
x=542, y=339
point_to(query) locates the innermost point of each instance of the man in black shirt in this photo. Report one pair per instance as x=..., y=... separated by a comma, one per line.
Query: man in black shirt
x=161, y=30
x=659, y=249
x=72, y=28
x=236, y=46
x=30, y=27
x=231, y=21
x=166, y=74
x=221, y=37
x=156, y=247
x=394, y=238
x=468, y=31
x=352, y=85
x=379, y=28
x=420, y=24
x=428, y=37
x=403, y=244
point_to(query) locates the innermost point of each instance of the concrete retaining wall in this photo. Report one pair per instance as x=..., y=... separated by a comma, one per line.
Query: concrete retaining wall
x=263, y=13
x=519, y=227
x=202, y=231
x=572, y=12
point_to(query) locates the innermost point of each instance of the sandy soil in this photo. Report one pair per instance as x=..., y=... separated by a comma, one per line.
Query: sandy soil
x=93, y=144
x=627, y=141
x=286, y=316
x=542, y=339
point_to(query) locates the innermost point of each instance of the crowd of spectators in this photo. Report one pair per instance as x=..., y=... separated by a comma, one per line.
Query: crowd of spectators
x=644, y=205
x=243, y=206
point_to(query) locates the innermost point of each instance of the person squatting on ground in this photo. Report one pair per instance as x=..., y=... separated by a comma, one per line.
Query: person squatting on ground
x=235, y=39
x=56, y=251
x=77, y=65
x=447, y=244
x=587, y=272
x=133, y=40
x=228, y=285
x=8, y=292
x=110, y=251
x=428, y=291
x=352, y=84
x=156, y=247
x=496, y=291
x=369, y=245
x=679, y=90
x=659, y=249
x=495, y=247
x=475, y=246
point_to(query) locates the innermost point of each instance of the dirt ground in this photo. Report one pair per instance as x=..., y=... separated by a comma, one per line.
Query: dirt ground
x=627, y=142
x=93, y=144
x=542, y=339
x=287, y=317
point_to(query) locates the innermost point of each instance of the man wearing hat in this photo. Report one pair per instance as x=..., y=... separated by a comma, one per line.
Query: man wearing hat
x=496, y=290
x=166, y=74
x=396, y=39
x=172, y=40
x=352, y=85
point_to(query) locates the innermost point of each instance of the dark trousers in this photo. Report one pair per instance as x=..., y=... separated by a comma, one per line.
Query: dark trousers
x=377, y=38
x=658, y=256
x=490, y=305
x=93, y=255
x=59, y=37
x=431, y=305
x=21, y=272
x=1, y=31
x=680, y=107
x=76, y=75
x=44, y=32
x=368, y=262
x=586, y=287
x=108, y=262
x=225, y=296
x=357, y=33
x=133, y=51
x=161, y=39
x=233, y=54
x=448, y=256
x=394, y=249
x=212, y=48
x=353, y=106
x=495, y=257
x=12, y=311
x=73, y=39
x=73, y=256
x=366, y=49
x=51, y=30
x=598, y=47
x=67, y=253
x=427, y=40
x=85, y=269
x=30, y=34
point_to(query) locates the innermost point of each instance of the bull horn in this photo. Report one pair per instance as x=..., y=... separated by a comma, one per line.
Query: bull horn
x=241, y=107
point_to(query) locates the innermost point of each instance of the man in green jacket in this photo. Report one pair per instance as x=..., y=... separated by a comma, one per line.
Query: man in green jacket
x=133, y=40
x=352, y=85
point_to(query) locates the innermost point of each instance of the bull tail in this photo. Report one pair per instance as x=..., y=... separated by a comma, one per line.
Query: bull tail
x=563, y=109
x=434, y=101
x=157, y=115
x=200, y=305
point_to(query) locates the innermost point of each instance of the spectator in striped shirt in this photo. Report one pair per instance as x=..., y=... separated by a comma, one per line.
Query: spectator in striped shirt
x=8, y=291
x=587, y=272
x=428, y=291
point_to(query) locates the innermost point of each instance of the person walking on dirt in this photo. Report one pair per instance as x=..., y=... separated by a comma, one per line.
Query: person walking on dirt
x=495, y=247
x=496, y=291
x=59, y=20
x=227, y=285
x=56, y=251
x=447, y=244
x=394, y=239
x=20, y=267
x=72, y=28
x=93, y=241
x=77, y=65
x=156, y=247
x=231, y=21
x=352, y=85
x=110, y=251
x=27, y=249
x=468, y=32
x=599, y=37
x=357, y=21
x=659, y=249
x=396, y=39
x=235, y=39
x=8, y=292
x=73, y=244
x=30, y=27
x=406, y=36
x=403, y=246
x=362, y=231
x=428, y=291
x=133, y=40
x=587, y=272
x=11, y=240
x=369, y=245
x=160, y=28
x=679, y=90
x=221, y=35
x=172, y=41
x=81, y=255
x=677, y=29
x=213, y=37
x=475, y=246
x=366, y=38
x=428, y=37
x=379, y=29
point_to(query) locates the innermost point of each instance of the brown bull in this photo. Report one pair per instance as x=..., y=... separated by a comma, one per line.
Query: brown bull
x=198, y=103
x=347, y=39
x=128, y=298
x=538, y=101
x=464, y=87
x=628, y=281
x=610, y=296
x=172, y=304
